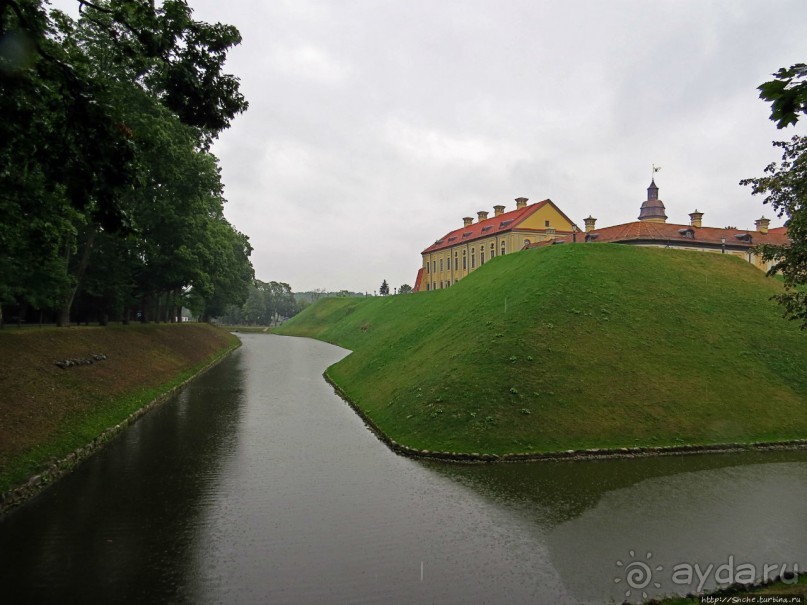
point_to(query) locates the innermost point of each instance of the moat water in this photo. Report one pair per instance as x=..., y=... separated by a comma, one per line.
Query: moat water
x=258, y=484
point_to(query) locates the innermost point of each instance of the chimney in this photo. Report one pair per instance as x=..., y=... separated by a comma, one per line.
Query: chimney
x=589, y=223
x=498, y=210
x=762, y=225
x=521, y=202
x=696, y=219
x=467, y=221
x=483, y=215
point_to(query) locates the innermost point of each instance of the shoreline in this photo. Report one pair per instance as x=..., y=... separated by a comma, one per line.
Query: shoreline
x=36, y=484
x=572, y=454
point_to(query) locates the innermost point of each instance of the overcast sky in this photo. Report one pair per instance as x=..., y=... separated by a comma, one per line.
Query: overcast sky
x=375, y=126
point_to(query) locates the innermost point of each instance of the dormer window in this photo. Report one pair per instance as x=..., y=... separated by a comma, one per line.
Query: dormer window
x=688, y=233
x=744, y=237
x=592, y=236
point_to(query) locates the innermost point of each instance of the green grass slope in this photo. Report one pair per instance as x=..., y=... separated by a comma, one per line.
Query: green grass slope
x=47, y=412
x=572, y=347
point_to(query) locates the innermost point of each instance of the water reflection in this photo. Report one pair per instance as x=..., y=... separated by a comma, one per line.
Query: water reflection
x=673, y=513
x=120, y=527
x=259, y=485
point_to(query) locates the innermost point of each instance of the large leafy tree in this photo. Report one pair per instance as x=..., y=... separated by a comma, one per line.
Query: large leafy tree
x=106, y=185
x=785, y=188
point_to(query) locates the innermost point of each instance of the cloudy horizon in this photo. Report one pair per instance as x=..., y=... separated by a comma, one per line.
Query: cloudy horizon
x=374, y=127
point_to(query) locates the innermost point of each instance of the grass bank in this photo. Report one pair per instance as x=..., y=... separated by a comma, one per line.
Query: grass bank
x=574, y=347
x=795, y=587
x=46, y=412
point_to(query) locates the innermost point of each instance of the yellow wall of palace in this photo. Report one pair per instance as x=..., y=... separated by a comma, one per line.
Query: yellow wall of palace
x=445, y=267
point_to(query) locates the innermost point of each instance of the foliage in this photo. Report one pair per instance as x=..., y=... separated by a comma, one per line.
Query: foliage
x=787, y=97
x=384, y=289
x=266, y=304
x=405, y=289
x=785, y=187
x=110, y=201
x=708, y=332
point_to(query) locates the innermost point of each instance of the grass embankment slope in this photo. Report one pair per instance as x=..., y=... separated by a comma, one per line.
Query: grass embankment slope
x=600, y=346
x=47, y=412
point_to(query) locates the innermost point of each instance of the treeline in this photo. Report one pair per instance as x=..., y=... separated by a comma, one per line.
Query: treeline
x=111, y=204
x=267, y=304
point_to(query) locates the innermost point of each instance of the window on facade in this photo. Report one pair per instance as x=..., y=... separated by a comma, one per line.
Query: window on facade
x=503, y=248
x=464, y=261
x=473, y=258
x=427, y=286
x=546, y=223
x=481, y=256
x=441, y=264
x=456, y=261
x=434, y=266
x=526, y=242
x=492, y=249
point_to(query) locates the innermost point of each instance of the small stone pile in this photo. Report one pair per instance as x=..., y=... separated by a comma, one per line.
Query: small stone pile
x=81, y=361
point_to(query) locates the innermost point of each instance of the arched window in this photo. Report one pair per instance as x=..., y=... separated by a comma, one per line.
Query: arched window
x=503, y=248
x=481, y=255
x=464, y=260
x=473, y=258
x=441, y=266
x=456, y=261
x=492, y=249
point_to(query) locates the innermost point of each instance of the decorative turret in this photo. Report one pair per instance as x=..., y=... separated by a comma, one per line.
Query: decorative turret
x=521, y=202
x=590, y=221
x=467, y=221
x=696, y=219
x=482, y=215
x=652, y=210
x=498, y=210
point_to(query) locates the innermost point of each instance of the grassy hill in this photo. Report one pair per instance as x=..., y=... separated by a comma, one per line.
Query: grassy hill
x=47, y=412
x=573, y=347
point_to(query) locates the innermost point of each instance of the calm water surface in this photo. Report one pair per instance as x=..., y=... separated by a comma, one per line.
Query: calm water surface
x=259, y=485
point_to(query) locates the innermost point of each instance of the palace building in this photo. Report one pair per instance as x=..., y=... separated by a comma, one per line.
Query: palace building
x=463, y=250
x=652, y=229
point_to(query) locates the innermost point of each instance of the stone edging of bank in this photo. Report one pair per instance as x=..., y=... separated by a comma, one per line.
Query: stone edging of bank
x=39, y=482
x=584, y=454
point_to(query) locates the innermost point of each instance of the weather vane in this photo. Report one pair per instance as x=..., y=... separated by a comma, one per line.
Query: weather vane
x=655, y=170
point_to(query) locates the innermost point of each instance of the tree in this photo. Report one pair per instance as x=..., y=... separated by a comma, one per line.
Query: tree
x=108, y=194
x=384, y=289
x=785, y=187
x=787, y=98
x=405, y=289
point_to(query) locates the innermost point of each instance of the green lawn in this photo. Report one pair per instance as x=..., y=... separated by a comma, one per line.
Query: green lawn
x=573, y=347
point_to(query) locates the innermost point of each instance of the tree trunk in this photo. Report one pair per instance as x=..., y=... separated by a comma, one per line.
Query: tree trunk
x=81, y=270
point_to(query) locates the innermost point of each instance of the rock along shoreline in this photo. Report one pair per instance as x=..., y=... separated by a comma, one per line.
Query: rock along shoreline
x=580, y=454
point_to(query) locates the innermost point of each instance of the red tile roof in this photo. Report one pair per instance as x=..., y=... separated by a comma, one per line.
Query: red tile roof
x=503, y=223
x=640, y=231
x=418, y=280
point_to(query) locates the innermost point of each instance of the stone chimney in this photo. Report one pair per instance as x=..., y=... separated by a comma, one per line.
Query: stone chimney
x=762, y=225
x=521, y=202
x=483, y=215
x=589, y=223
x=498, y=210
x=467, y=221
x=696, y=219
